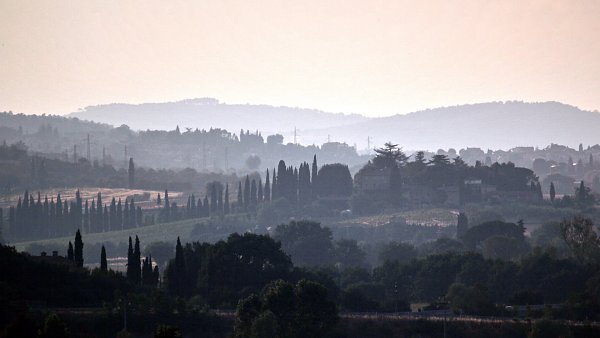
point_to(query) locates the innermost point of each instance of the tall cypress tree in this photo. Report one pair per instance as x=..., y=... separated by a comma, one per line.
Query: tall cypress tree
x=78, y=253
x=137, y=261
x=267, y=190
x=130, y=264
x=119, y=215
x=226, y=202
x=179, y=269
x=247, y=192
x=314, y=178
x=240, y=199
x=274, y=194
x=552, y=192
x=131, y=173
x=103, y=262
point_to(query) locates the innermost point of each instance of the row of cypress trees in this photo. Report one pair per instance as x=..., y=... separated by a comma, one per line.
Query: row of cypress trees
x=46, y=218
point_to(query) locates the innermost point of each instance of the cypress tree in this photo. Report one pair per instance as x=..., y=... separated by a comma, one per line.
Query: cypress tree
x=70, y=255
x=112, y=220
x=158, y=201
x=105, y=219
x=78, y=253
x=313, y=181
x=99, y=216
x=120, y=214
x=247, y=192
x=213, y=198
x=199, y=208
x=552, y=192
x=267, y=190
x=240, y=199
x=220, y=200
x=274, y=192
x=137, y=261
x=206, y=206
x=131, y=173
x=226, y=202
x=179, y=270
x=130, y=263
x=103, y=262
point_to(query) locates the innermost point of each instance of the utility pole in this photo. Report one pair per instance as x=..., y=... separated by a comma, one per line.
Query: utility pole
x=295, y=135
x=125, y=158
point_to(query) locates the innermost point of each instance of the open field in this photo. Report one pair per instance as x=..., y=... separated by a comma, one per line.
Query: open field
x=167, y=232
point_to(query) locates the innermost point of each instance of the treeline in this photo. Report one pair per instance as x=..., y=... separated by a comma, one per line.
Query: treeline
x=34, y=218
x=22, y=169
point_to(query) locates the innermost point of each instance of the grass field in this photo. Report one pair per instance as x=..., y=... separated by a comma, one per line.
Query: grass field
x=167, y=232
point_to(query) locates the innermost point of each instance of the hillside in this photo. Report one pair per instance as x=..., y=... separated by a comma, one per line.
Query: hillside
x=494, y=125
x=205, y=113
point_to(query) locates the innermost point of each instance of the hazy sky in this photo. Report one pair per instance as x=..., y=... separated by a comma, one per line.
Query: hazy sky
x=371, y=57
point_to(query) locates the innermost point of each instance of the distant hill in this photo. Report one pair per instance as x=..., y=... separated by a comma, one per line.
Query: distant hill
x=495, y=125
x=205, y=113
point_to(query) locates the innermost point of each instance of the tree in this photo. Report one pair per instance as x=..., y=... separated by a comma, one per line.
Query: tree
x=54, y=327
x=334, y=180
x=581, y=238
x=267, y=189
x=137, y=273
x=103, y=263
x=389, y=155
x=253, y=162
x=226, y=203
x=306, y=242
x=130, y=263
x=552, y=192
x=70, y=256
x=397, y=252
x=131, y=173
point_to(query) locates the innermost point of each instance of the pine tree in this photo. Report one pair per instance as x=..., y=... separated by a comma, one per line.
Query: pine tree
x=158, y=201
x=131, y=173
x=78, y=253
x=552, y=192
x=70, y=256
x=103, y=262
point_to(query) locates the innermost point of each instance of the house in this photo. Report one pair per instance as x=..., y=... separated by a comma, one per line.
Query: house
x=374, y=180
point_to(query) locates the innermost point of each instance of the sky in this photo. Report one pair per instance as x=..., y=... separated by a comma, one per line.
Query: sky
x=376, y=58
